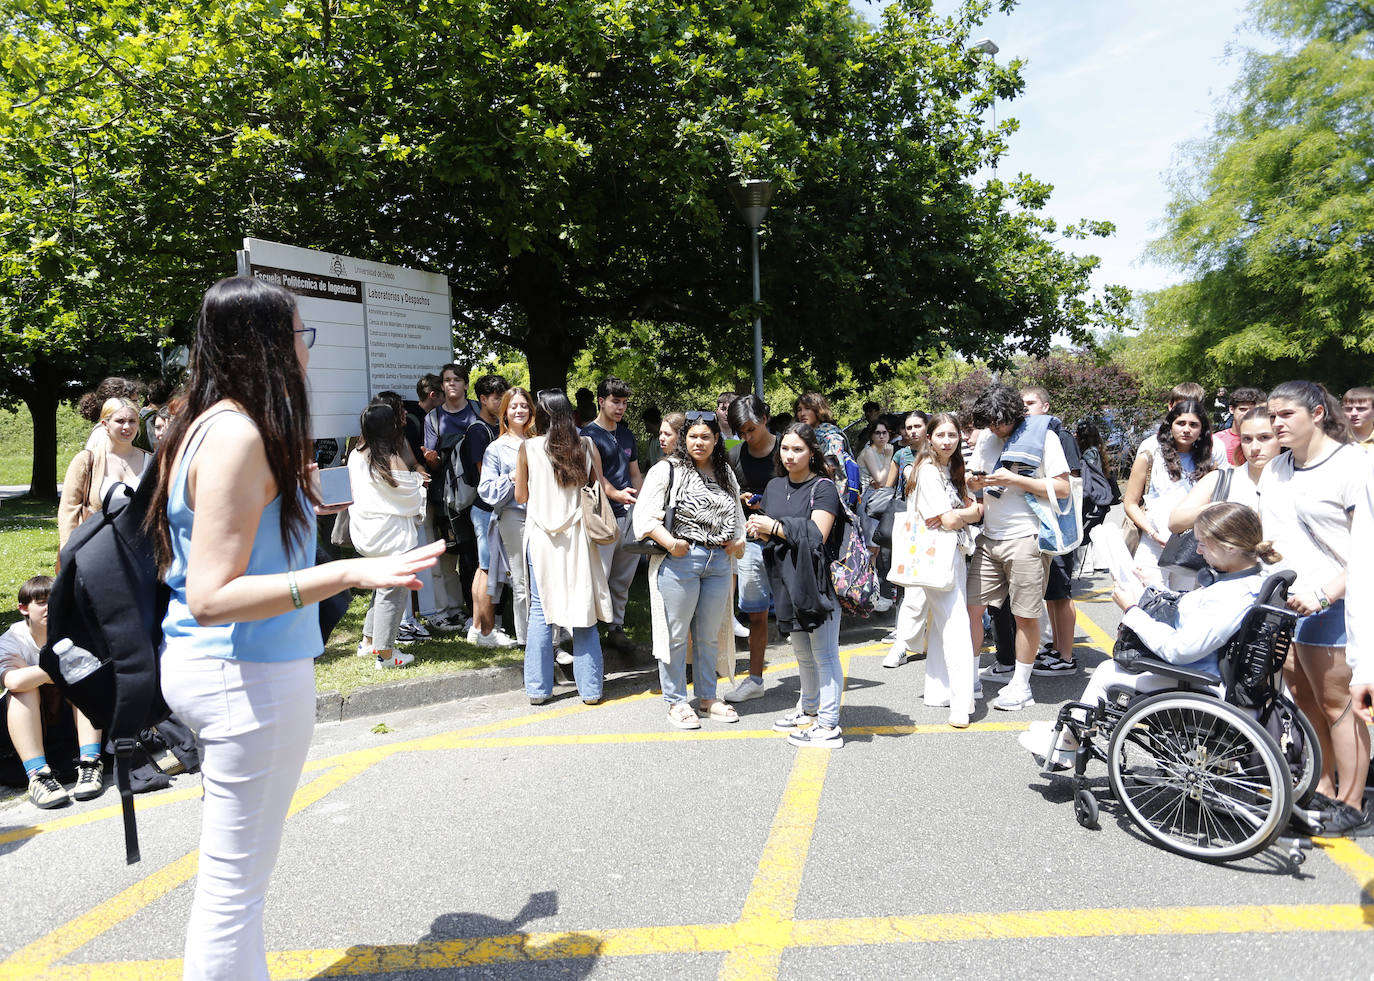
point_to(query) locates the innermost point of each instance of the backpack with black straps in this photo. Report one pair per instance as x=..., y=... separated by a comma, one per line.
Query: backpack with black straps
x=104, y=631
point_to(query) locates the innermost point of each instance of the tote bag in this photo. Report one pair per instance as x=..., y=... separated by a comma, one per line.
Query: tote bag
x=1061, y=527
x=921, y=556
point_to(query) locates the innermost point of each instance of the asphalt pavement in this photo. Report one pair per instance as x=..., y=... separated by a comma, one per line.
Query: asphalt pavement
x=485, y=838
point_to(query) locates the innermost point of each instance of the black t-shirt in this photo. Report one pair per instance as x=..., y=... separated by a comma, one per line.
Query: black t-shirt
x=784, y=499
x=475, y=442
x=753, y=472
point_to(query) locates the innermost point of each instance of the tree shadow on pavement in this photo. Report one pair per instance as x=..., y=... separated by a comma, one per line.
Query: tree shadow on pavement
x=471, y=945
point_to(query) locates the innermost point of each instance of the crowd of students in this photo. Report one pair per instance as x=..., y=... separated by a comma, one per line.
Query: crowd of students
x=463, y=503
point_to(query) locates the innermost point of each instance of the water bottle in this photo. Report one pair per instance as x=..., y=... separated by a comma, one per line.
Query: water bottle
x=75, y=662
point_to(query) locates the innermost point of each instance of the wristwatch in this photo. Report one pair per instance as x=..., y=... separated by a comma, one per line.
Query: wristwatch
x=1322, y=601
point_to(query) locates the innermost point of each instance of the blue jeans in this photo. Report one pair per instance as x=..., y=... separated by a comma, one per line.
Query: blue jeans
x=818, y=665
x=539, y=653
x=696, y=595
x=755, y=591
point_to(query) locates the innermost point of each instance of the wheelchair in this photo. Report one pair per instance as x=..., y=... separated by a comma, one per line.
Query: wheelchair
x=1215, y=779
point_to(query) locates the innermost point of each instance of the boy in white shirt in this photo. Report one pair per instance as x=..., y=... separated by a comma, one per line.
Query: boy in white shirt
x=22, y=679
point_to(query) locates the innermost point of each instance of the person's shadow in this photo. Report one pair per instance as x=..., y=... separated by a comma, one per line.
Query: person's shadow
x=462, y=945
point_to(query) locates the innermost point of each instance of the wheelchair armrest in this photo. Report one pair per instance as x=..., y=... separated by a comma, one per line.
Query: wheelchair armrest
x=1179, y=672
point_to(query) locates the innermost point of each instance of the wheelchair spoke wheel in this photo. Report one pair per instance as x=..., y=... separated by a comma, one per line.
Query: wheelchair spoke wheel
x=1199, y=777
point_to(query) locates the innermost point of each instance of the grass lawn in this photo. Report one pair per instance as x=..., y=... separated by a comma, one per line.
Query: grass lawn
x=16, y=442
x=28, y=547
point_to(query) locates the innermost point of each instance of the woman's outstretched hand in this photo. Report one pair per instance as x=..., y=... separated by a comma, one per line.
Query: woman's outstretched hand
x=389, y=571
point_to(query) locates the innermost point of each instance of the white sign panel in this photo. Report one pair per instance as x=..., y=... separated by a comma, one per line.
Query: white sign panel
x=378, y=327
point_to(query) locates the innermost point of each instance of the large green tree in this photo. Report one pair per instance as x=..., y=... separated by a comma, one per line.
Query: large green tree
x=565, y=164
x=1273, y=217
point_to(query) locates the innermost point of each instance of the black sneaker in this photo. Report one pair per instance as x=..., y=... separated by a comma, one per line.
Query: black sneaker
x=1049, y=665
x=1344, y=820
x=617, y=637
x=45, y=791
x=90, y=780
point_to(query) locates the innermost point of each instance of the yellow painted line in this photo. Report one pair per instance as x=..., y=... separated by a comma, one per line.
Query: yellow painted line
x=1351, y=859
x=47, y=950
x=765, y=924
x=141, y=804
x=1065, y=924
x=1096, y=634
x=1077, y=923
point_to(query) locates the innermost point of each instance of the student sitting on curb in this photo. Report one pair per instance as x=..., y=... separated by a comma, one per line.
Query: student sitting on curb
x=23, y=679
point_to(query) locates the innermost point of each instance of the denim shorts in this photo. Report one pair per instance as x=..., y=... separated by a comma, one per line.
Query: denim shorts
x=755, y=593
x=1324, y=629
x=480, y=520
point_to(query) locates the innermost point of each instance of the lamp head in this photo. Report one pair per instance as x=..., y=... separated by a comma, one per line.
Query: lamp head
x=751, y=198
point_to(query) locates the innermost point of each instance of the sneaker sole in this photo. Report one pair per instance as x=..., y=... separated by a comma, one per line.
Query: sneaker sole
x=1012, y=706
x=791, y=729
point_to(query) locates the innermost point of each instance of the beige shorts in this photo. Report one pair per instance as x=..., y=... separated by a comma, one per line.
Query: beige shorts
x=1014, y=566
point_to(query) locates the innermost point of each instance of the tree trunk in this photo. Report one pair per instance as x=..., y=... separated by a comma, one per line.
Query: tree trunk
x=42, y=400
x=549, y=350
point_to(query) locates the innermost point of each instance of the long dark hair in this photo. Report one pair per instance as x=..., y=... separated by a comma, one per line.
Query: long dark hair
x=245, y=350
x=720, y=460
x=807, y=435
x=1089, y=438
x=927, y=452
x=554, y=419
x=1201, y=451
x=382, y=438
x=1310, y=395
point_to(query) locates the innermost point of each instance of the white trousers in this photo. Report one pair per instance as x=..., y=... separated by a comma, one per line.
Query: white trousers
x=912, y=616
x=950, y=664
x=1109, y=674
x=253, y=724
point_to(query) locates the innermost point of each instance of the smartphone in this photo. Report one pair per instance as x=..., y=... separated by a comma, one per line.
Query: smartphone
x=335, y=487
x=755, y=500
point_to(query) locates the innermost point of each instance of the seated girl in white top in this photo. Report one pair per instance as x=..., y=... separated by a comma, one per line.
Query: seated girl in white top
x=1229, y=537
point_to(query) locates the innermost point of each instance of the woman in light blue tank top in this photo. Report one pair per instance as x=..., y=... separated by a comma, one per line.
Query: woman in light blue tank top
x=234, y=524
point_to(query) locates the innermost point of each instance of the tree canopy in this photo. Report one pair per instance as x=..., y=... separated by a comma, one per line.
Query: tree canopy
x=566, y=164
x=1273, y=216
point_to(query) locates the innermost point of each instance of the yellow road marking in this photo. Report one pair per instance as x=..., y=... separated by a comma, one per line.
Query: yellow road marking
x=723, y=938
x=168, y=796
x=44, y=952
x=1096, y=634
x=1351, y=859
x=765, y=924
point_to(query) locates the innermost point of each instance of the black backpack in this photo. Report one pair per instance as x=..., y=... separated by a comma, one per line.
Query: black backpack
x=105, y=628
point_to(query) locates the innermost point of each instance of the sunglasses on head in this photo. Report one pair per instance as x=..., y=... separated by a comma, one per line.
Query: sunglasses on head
x=700, y=416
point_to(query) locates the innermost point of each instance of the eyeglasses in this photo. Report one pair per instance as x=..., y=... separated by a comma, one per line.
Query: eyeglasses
x=309, y=333
x=700, y=416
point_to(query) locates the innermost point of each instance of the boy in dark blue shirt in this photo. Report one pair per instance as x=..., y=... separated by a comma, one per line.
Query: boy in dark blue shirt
x=621, y=480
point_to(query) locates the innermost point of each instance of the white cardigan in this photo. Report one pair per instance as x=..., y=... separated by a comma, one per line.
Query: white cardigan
x=384, y=520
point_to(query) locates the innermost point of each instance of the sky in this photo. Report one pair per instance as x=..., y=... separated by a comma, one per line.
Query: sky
x=1113, y=89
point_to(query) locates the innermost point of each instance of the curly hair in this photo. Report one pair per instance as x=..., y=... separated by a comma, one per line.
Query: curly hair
x=999, y=405
x=720, y=460
x=1200, y=452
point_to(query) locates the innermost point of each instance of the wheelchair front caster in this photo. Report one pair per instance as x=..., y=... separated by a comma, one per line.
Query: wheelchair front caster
x=1085, y=809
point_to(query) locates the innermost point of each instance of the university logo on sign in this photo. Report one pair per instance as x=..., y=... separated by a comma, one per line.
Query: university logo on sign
x=337, y=267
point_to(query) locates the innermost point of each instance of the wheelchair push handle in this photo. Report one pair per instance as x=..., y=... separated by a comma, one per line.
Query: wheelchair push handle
x=1274, y=592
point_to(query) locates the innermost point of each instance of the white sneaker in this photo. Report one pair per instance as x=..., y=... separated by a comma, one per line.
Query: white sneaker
x=398, y=659
x=1043, y=745
x=364, y=650
x=881, y=604
x=1013, y=699
x=741, y=631
x=818, y=737
x=562, y=657
x=896, y=657
x=746, y=690
x=492, y=639
x=504, y=639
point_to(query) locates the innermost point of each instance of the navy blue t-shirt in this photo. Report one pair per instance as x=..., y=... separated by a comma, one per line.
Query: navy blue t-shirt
x=475, y=442
x=618, y=450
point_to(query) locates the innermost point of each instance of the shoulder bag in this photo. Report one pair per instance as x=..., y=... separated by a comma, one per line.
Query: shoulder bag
x=921, y=556
x=1180, y=551
x=646, y=545
x=598, y=517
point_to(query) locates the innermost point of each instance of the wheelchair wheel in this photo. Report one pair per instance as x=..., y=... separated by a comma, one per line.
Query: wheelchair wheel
x=1201, y=778
x=1085, y=808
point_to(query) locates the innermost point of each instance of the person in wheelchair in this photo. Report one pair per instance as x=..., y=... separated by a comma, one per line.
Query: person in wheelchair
x=1229, y=537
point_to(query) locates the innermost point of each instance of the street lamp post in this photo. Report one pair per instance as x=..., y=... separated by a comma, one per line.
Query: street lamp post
x=751, y=198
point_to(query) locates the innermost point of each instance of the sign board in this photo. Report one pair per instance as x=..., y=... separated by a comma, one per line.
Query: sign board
x=377, y=327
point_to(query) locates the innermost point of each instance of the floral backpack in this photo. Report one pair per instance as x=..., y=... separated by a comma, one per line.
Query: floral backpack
x=852, y=573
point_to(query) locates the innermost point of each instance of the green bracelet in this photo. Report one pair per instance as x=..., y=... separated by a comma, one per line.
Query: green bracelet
x=295, y=590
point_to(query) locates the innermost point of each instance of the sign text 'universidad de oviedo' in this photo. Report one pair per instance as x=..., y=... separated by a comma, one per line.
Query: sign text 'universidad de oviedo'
x=378, y=327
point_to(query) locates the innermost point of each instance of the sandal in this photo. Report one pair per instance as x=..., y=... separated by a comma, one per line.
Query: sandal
x=681, y=715
x=721, y=712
